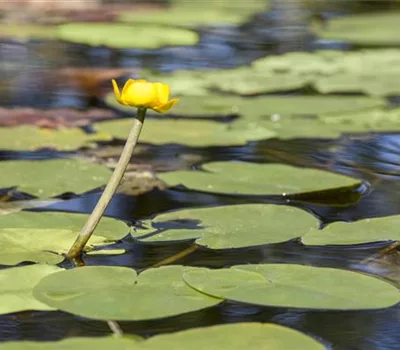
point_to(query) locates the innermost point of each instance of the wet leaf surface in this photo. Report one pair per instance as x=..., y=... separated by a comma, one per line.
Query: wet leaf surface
x=262, y=179
x=228, y=227
x=117, y=293
x=48, y=178
x=16, y=287
x=297, y=286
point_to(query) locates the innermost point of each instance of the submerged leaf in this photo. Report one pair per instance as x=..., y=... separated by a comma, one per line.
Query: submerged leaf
x=295, y=286
x=16, y=287
x=263, y=179
x=229, y=227
x=117, y=293
x=48, y=178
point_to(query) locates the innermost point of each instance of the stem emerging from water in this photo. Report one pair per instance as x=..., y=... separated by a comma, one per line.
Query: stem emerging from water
x=94, y=218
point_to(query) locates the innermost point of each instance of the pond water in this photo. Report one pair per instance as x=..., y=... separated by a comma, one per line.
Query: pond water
x=30, y=78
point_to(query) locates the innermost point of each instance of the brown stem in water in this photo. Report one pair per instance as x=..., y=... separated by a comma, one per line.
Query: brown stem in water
x=94, y=218
x=177, y=256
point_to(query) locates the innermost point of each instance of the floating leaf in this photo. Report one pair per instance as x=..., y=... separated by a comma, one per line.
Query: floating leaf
x=288, y=285
x=117, y=293
x=16, y=287
x=250, y=178
x=43, y=237
x=26, y=138
x=21, y=31
x=229, y=227
x=359, y=232
x=99, y=343
x=188, y=13
x=52, y=118
x=118, y=35
x=364, y=29
x=47, y=178
x=16, y=206
x=250, y=336
x=258, y=107
x=187, y=132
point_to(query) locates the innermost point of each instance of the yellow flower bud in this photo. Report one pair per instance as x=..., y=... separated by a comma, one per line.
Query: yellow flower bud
x=142, y=94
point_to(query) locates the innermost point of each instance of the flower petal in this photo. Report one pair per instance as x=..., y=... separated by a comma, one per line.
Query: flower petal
x=126, y=86
x=116, y=91
x=141, y=94
x=167, y=106
x=162, y=93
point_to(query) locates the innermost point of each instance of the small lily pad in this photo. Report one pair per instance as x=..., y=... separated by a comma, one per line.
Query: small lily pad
x=262, y=179
x=28, y=137
x=359, y=232
x=117, y=293
x=250, y=336
x=16, y=287
x=99, y=343
x=48, y=178
x=187, y=132
x=375, y=29
x=294, y=286
x=229, y=227
x=44, y=237
x=21, y=31
x=119, y=35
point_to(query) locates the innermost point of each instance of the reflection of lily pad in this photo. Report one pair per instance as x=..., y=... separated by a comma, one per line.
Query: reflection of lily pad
x=187, y=132
x=99, y=343
x=223, y=105
x=43, y=237
x=287, y=285
x=249, y=178
x=250, y=336
x=117, y=293
x=26, y=138
x=192, y=13
x=363, y=231
x=228, y=227
x=364, y=29
x=118, y=35
x=16, y=287
x=26, y=31
x=48, y=178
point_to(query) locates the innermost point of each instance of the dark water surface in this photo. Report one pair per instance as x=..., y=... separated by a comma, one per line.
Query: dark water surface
x=375, y=158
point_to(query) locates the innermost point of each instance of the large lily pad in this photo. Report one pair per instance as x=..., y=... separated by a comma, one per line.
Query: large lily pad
x=27, y=137
x=117, y=293
x=118, y=35
x=228, y=227
x=363, y=231
x=44, y=237
x=250, y=336
x=189, y=13
x=187, y=132
x=100, y=343
x=364, y=29
x=21, y=31
x=288, y=285
x=250, y=178
x=258, y=107
x=47, y=178
x=16, y=287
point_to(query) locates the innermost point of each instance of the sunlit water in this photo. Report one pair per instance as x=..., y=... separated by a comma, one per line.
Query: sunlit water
x=30, y=80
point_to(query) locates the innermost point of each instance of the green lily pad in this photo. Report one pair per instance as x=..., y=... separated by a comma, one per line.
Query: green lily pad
x=250, y=178
x=16, y=287
x=375, y=29
x=23, y=31
x=99, y=343
x=187, y=132
x=228, y=227
x=119, y=35
x=250, y=336
x=44, y=237
x=223, y=105
x=117, y=293
x=189, y=13
x=359, y=232
x=48, y=178
x=28, y=137
x=296, y=286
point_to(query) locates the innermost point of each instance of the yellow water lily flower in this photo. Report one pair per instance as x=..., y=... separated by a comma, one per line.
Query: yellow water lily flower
x=143, y=94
